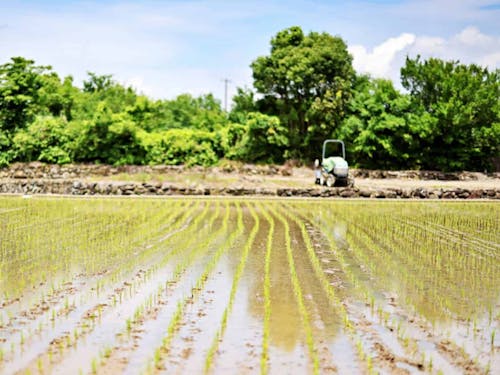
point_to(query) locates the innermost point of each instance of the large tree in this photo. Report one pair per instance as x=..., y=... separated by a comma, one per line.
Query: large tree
x=380, y=131
x=464, y=104
x=20, y=82
x=306, y=80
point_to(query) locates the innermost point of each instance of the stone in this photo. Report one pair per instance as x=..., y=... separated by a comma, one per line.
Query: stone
x=391, y=194
x=365, y=193
x=347, y=193
x=19, y=174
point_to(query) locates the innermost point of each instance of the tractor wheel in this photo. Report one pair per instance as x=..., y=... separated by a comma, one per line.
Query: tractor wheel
x=330, y=180
x=322, y=181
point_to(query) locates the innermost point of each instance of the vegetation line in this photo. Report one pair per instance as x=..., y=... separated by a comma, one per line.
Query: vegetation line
x=200, y=283
x=264, y=362
x=234, y=288
x=297, y=290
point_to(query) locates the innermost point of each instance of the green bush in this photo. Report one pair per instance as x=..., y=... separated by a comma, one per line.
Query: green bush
x=264, y=139
x=46, y=139
x=108, y=138
x=179, y=146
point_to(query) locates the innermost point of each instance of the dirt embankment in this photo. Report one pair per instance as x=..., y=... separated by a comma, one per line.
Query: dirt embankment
x=240, y=179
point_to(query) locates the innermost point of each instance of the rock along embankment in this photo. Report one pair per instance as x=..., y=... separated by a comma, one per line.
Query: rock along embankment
x=76, y=187
x=79, y=179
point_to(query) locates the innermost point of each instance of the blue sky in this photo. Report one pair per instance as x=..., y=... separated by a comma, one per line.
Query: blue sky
x=164, y=48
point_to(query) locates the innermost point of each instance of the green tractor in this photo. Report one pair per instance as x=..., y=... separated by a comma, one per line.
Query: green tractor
x=334, y=170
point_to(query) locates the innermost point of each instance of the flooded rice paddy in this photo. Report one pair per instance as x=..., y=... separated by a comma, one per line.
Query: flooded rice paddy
x=131, y=286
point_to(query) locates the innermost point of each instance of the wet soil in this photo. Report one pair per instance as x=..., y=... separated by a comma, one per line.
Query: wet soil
x=173, y=308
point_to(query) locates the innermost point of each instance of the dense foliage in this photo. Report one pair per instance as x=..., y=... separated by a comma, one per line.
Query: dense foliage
x=306, y=81
x=305, y=91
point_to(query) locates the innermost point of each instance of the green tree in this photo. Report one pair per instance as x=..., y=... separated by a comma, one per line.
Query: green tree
x=380, y=131
x=100, y=89
x=464, y=104
x=20, y=82
x=97, y=83
x=306, y=81
x=243, y=103
x=185, y=111
x=108, y=137
x=180, y=146
x=57, y=98
x=46, y=139
x=264, y=139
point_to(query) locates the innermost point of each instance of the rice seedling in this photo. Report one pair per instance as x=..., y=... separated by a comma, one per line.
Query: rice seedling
x=414, y=274
x=234, y=287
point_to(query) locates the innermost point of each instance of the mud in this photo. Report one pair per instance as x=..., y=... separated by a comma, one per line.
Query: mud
x=167, y=309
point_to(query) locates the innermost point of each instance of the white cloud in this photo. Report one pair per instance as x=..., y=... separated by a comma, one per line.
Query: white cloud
x=468, y=46
x=491, y=60
x=378, y=61
x=471, y=36
x=164, y=48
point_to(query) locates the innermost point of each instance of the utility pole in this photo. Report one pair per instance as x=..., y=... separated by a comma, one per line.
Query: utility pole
x=226, y=81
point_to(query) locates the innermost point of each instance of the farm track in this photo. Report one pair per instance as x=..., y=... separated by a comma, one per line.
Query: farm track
x=213, y=285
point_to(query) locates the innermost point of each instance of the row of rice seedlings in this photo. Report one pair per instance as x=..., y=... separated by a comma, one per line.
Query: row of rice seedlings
x=441, y=238
x=359, y=248
x=56, y=316
x=411, y=349
x=443, y=293
x=329, y=290
x=400, y=267
x=411, y=250
x=471, y=292
x=298, y=292
x=97, y=286
x=466, y=237
x=174, y=322
x=150, y=248
x=382, y=259
x=462, y=267
x=145, y=251
x=191, y=253
x=234, y=288
x=123, y=251
x=468, y=273
x=76, y=245
x=24, y=255
x=183, y=245
x=264, y=360
x=351, y=270
x=480, y=219
x=133, y=286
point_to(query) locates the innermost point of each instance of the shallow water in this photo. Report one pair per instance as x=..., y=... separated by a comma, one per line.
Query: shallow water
x=402, y=286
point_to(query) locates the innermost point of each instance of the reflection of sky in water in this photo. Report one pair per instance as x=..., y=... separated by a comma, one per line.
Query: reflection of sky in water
x=439, y=261
x=425, y=255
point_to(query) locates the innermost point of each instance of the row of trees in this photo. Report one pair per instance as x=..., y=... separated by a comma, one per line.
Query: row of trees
x=305, y=91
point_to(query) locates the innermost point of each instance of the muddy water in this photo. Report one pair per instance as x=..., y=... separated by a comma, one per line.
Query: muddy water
x=404, y=287
x=433, y=279
x=241, y=345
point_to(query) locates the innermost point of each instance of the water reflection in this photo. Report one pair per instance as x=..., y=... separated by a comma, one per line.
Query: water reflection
x=441, y=261
x=286, y=326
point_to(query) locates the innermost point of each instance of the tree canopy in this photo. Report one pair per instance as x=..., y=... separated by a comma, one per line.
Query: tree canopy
x=306, y=81
x=463, y=103
x=305, y=91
